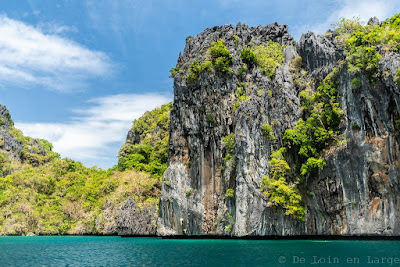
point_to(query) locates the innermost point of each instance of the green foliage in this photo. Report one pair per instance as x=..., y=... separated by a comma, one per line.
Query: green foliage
x=297, y=63
x=221, y=58
x=228, y=142
x=229, y=193
x=64, y=197
x=268, y=57
x=248, y=56
x=311, y=165
x=17, y=134
x=363, y=58
x=137, y=158
x=240, y=95
x=228, y=221
x=397, y=78
x=228, y=158
x=45, y=194
x=242, y=70
x=33, y=155
x=310, y=137
x=355, y=83
x=149, y=151
x=3, y=161
x=188, y=192
x=2, y=121
x=364, y=44
x=196, y=69
x=236, y=40
x=210, y=118
x=46, y=145
x=194, y=72
x=355, y=126
x=277, y=189
x=268, y=132
x=347, y=26
x=174, y=72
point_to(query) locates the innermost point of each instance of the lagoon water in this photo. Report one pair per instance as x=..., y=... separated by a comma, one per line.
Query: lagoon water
x=117, y=251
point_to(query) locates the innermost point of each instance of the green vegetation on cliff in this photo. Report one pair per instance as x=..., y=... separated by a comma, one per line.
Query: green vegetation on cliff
x=218, y=58
x=267, y=57
x=277, y=189
x=310, y=137
x=146, y=149
x=307, y=141
x=365, y=45
x=319, y=127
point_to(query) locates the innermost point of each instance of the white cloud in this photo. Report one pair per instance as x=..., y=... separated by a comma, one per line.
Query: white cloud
x=362, y=9
x=54, y=28
x=96, y=133
x=29, y=56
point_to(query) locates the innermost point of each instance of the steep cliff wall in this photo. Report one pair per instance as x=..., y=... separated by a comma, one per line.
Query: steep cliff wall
x=220, y=148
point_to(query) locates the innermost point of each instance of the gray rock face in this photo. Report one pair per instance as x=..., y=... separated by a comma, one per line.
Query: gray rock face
x=5, y=121
x=8, y=143
x=319, y=53
x=107, y=223
x=357, y=193
x=193, y=198
x=133, y=221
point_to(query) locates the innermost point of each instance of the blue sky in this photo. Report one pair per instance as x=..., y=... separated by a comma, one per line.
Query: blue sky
x=79, y=72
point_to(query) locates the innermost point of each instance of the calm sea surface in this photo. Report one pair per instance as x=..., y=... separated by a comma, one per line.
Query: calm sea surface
x=117, y=251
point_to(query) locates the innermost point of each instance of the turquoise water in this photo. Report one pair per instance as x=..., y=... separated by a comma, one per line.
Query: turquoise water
x=117, y=251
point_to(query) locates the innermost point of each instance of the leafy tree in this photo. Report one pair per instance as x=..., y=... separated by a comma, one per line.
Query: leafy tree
x=221, y=58
x=277, y=189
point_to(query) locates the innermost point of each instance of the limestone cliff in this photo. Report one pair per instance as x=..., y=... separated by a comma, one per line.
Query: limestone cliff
x=213, y=188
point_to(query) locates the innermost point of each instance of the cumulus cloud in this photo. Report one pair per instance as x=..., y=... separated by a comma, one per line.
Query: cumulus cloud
x=30, y=56
x=95, y=134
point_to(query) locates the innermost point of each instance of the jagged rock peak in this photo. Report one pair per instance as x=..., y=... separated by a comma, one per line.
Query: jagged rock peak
x=374, y=21
x=5, y=117
x=320, y=53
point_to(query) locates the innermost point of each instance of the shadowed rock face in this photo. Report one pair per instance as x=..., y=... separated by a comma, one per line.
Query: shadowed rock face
x=357, y=192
